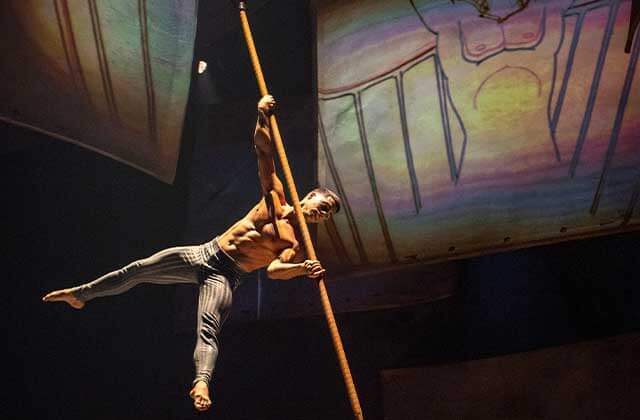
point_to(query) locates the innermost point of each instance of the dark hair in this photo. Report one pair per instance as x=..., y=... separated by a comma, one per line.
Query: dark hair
x=328, y=193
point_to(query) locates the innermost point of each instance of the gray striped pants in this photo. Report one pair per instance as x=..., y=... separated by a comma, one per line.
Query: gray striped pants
x=205, y=265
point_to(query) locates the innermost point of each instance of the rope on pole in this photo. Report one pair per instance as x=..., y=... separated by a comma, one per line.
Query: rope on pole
x=306, y=237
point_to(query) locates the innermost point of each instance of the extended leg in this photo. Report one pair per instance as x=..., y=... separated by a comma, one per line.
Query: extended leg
x=213, y=307
x=170, y=266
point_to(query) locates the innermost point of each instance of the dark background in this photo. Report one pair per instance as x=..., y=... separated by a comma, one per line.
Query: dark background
x=70, y=215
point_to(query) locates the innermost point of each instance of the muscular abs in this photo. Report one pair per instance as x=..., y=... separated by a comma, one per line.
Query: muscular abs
x=253, y=242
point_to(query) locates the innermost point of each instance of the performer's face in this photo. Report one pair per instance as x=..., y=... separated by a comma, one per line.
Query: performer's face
x=317, y=207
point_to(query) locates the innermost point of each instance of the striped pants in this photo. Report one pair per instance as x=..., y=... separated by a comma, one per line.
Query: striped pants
x=205, y=265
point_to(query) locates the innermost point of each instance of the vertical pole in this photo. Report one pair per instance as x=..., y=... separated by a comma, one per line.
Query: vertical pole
x=306, y=237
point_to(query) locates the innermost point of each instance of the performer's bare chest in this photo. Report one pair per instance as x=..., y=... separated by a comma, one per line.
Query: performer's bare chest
x=279, y=236
x=267, y=227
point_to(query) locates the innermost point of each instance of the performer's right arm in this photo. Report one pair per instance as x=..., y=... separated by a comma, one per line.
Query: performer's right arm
x=264, y=147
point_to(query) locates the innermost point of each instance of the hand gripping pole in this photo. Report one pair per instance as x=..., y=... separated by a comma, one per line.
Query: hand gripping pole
x=324, y=297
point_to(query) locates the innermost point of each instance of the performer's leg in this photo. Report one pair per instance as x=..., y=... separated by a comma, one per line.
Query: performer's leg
x=170, y=266
x=213, y=308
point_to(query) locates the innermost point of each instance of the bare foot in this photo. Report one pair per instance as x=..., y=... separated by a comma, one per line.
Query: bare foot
x=200, y=396
x=64, y=295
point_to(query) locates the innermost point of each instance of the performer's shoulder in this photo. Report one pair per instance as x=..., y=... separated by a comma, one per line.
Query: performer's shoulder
x=259, y=211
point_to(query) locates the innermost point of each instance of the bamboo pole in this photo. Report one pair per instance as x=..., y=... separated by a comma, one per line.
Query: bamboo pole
x=306, y=237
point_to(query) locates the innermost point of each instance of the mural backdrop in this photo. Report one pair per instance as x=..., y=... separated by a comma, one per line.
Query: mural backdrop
x=449, y=134
x=110, y=75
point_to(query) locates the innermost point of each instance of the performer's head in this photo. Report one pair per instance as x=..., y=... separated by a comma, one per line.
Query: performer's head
x=319, y=205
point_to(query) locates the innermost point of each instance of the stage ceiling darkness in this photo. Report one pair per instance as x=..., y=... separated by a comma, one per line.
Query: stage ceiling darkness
x=109, y=75
x=449, y=134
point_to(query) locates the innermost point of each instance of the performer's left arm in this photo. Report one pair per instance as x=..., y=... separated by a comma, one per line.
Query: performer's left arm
x=291, y=263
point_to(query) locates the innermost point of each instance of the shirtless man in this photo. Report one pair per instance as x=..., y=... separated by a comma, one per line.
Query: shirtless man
x=267, y=236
